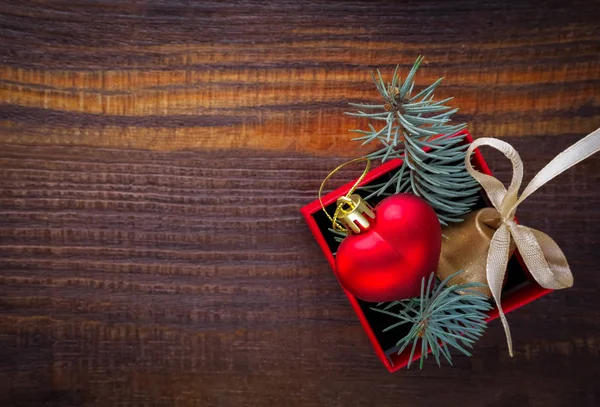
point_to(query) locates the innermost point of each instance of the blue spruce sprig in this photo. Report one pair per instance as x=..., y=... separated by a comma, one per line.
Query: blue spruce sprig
x=405, y=125
x=442, y=316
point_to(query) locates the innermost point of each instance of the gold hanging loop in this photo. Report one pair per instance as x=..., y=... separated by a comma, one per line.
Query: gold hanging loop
x=343, y=200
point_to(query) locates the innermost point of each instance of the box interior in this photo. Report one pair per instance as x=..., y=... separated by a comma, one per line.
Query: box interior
x=516, y=276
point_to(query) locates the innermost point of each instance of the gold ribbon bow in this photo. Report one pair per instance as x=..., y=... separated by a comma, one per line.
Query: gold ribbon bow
x=542, y=256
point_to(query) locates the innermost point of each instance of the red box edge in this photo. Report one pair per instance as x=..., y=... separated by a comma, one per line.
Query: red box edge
x=515, y=300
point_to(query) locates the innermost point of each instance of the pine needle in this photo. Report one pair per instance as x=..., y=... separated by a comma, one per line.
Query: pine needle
x=406, y=124
x=442, y=316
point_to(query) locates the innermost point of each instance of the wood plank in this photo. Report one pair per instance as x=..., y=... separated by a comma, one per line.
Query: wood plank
x=278, y=76
x=153, y=160
x=182, y=278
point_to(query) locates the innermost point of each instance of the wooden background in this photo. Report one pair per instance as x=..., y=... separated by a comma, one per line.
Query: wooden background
x=153, y=159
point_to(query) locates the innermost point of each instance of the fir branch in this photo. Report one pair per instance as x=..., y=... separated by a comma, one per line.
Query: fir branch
x=408, y=125
x=442, y=316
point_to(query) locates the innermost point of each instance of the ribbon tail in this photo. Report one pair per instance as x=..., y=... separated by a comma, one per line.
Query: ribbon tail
x=578, y=152
x=545, y=261
x=497, y=262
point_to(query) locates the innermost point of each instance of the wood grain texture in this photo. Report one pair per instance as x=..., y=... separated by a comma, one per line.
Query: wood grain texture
x=153, y=160
x=278, y=75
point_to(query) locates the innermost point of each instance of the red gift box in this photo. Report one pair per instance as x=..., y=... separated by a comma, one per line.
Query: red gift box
x=519, y=289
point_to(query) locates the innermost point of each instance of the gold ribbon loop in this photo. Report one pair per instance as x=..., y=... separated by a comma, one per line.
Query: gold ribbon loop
x=542, y=256
x=346, y=199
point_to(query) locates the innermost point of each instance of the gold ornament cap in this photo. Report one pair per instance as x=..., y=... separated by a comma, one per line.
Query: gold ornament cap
x=355, y=213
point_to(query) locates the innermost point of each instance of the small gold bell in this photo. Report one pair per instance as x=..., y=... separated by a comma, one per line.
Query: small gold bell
x=465, y=246
x=358, y=217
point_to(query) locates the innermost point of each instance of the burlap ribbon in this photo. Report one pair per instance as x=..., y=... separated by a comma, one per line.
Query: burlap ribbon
x=542, y=256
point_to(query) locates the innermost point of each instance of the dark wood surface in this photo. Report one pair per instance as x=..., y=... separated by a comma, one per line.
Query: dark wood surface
x=153, y=160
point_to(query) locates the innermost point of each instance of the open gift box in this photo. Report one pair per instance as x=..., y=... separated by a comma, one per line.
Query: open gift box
x=520, y=287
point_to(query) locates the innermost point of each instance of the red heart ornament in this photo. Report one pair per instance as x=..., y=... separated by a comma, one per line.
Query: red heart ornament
x=392, y=248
